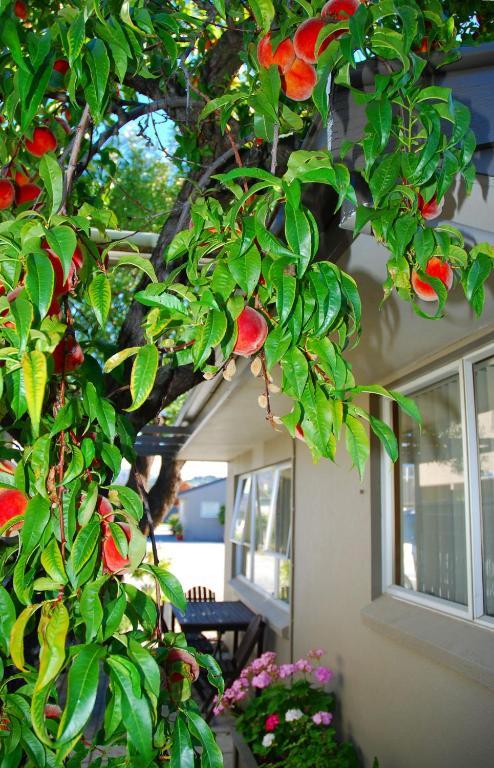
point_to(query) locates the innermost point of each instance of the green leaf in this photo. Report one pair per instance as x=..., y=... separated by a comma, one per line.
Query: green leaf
x=51, y=173
x=35, y=377
x=295, y=371
x=130, y=500
x=136, y=715
x=211, y=756
x=75, y=37
x=39, y=281
x=99, y=66
x=264, y=13
x=52, y=634
x=209, y=335
x=17, y=635
x=7, y=619
x=82, y=688
x=84, y=545
x=324, y=279
x=357, y=443
x=140, y=262
x=407, y=404
x=52, y=562
x=386, y=435
x=76, y=466
x=118, y=358
x=35, y=521
x=91, y=608
x=245, y=268
x=99, y=294
x=170, y=585
x=182, y=752
x=22, y=310
x=63, y=241
x=299, y=236
x=143, y=375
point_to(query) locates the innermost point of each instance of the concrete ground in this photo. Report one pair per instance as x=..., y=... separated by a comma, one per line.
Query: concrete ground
x=195, y=563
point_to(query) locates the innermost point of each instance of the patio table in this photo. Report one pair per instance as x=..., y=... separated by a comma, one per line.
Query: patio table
x=220, y=616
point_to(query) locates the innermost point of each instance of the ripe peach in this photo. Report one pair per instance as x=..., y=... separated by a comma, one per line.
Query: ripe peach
x=7, y=467
x=339, y=10
x=432, y=209
x=61, y=288
x=7, y=194
x=67, y=355
x=252, y=330
x=112, y=559
x=21, y=179
x=305, y=39
x=61, y=65
x=283, y=57
x=435, y=268
x=12, y=504
x=299, y=433
x=53, y=711
x=43, y=141
x=103, y=506
x=26, y=193
x=299, y=80
x=20, y=9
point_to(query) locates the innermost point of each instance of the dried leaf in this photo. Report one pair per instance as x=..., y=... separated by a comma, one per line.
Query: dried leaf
x=230, y=370
x=263, y=401
x=256, y=366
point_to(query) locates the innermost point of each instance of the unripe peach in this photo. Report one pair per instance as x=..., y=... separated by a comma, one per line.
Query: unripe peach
x=252, y=330
x=435, y=268
x=43, y=141
x=26, y=193
x=339, y=10
x=20, y=9
x=67, y=355
x=298, y=82
x=112, y=558
x=7, y=194
x=305, y=39
x=12, y=504
x=432, y=209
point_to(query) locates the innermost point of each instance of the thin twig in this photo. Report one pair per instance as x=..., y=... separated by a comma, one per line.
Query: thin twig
x=74, y=155
x=274, y=150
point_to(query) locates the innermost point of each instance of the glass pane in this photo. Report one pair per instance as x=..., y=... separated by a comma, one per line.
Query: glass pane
x=265, y=566
x=278, y=537
x=432, y=496
x=484, y=399
x=241, y=519
x=264, y=497
x=284, y=580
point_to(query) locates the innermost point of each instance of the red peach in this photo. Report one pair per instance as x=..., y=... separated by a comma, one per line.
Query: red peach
x=435, y=268
x=7, y=467
x=61, y=65
x=7, y=194
x=61, y=288
x=67, y=355
x=252, y=330
x=26, y=193
x=299, y=433
x=339, y=10
x=284, y=56
x=305, y=39
x=432, y=209
x=298, y=82
x=20, y=9
x=21, y=179
x=12, y=504
x=265, y=51
x=43, y=141
x=112, y=558
x=53, y=711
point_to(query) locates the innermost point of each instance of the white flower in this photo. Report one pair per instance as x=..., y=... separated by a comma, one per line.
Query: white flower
x=268, y=740
x=293, y=714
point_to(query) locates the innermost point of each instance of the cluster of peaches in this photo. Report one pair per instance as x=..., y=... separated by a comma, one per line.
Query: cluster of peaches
x=13, y=504
x=295, y=59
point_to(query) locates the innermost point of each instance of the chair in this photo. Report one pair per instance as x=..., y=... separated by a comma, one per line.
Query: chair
x=253, y=636
x=197, y=639
x=201, y=595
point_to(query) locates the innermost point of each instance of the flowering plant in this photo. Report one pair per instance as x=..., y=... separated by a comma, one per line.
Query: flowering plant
x=289, y=722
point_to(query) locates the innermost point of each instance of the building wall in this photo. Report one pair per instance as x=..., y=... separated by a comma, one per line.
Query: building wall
x=396, y=703
x=195, y=526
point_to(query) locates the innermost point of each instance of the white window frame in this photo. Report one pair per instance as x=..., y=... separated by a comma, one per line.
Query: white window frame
x=474, y=610
x=251, y=547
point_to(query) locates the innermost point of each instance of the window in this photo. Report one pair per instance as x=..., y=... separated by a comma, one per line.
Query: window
x=261, y=529
x=439, y=526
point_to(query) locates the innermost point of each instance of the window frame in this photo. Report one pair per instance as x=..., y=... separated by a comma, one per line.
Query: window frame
x=250, y=547
x=463, y=366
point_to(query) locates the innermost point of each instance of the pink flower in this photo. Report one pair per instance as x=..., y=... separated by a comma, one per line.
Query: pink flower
x=322, y=718
x=262, y=680
x=272, y=722
x=323, y=675
x=286, y=670
x=316, y=653
x=302, y=665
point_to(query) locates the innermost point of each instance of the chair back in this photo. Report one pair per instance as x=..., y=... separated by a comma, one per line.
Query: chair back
x=253, y=636
x=201, y=595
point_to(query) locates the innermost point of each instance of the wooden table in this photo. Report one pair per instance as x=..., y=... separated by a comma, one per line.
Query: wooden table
x=219, y=616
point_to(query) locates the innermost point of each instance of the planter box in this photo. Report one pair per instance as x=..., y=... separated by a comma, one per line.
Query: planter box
x=242, y=755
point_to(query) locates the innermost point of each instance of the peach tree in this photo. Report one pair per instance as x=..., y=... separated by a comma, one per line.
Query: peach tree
x=236, y=272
